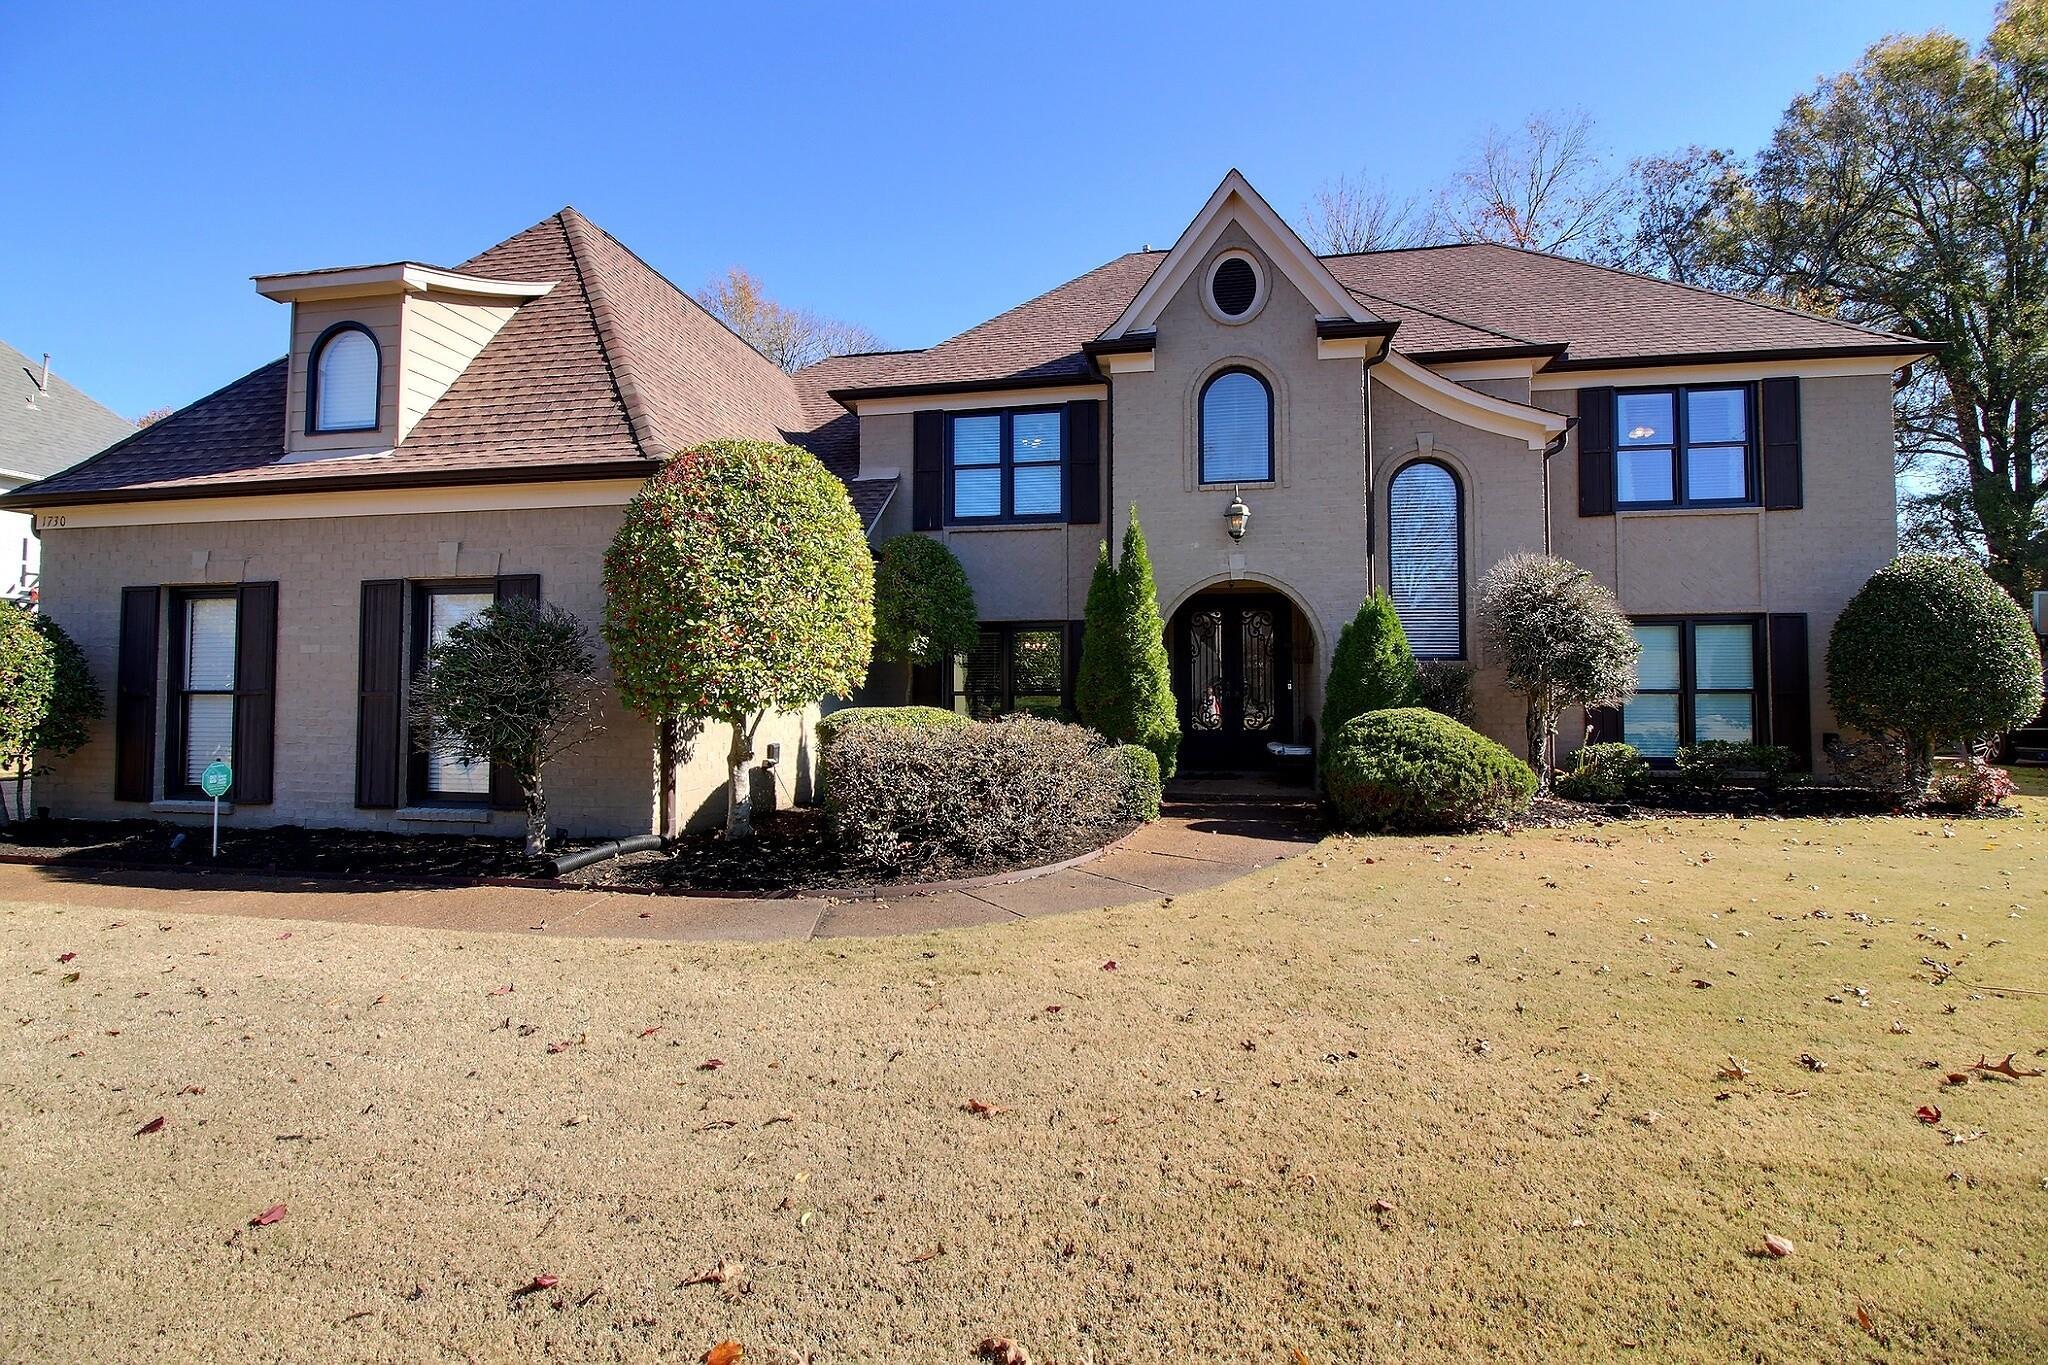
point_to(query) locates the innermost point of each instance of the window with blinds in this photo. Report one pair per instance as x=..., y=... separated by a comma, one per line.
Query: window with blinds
x=1012, y=668
x=1007, y=466
x=1425, y=559
x=345, y=380
x=206, y=684
x=1237, y=429
x=1695, y=681
x=447, y=774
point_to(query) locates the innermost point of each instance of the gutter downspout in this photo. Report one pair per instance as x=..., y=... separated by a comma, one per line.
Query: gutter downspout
x=1371, y=517
x=1556, y=444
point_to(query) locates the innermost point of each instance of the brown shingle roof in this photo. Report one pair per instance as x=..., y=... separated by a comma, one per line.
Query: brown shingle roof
x=611, y=370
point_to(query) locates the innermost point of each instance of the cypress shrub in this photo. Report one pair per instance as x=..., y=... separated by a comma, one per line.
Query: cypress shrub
x=1372, y=668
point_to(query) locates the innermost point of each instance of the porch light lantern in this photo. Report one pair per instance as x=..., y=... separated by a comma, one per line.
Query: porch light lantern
x=1237, y=516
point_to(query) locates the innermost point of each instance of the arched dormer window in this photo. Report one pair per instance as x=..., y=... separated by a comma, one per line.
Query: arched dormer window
x=1237, y=428
x=344, y=377
x=1426, y=558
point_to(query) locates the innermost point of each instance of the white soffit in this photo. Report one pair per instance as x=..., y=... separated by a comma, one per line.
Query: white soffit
x=1500, y=416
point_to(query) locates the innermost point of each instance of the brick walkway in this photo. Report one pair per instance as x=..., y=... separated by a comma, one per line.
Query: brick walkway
x=1191, y=847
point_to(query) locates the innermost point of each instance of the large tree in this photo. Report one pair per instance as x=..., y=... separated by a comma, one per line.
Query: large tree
x=791, y=337
x=1545, y=186
x=738, y=585
x=1356, y=213
x=1911, y=193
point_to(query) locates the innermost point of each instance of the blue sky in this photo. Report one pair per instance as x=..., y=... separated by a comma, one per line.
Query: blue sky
x=917, y=169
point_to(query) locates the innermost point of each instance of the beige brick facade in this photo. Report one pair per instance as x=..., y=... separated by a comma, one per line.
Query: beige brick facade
x=607, y=787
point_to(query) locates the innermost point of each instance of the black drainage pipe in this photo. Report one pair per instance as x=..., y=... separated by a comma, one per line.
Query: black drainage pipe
x=584, y=857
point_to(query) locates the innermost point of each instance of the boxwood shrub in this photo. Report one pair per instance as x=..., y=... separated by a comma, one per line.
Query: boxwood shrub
x=833, y=723
x=1716, y=766
x=908, y=796
x=1604, y=773
x=1413, y=769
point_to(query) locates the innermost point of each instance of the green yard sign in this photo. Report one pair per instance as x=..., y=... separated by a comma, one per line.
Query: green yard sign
x=217, y=778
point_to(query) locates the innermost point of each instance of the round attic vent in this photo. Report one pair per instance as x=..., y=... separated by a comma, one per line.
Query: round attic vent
x=1234, y=288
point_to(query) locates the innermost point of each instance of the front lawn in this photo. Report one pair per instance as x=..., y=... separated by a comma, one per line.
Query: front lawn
x=1393, y=1099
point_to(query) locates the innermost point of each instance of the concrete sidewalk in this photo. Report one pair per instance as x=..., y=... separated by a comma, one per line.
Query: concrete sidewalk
x=1191, y=847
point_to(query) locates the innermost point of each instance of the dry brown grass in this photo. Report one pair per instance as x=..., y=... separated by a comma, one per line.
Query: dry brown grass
x=1187, y=1152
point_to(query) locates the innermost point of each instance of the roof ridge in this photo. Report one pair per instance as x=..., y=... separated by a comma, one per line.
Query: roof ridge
x=1043, y=293
x=1445, y=317
x=638, y=420
x=1702, y=289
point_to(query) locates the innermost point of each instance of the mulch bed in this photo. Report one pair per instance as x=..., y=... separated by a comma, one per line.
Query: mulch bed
x=789, y=852
x=279, y=849
x=1815, y=802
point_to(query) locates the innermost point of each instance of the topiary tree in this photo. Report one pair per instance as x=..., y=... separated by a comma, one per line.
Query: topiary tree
x=1372, y=668
x=75, y=703
x=1125, y=687
x=739, y=584
x=517, y=686
x=1932, y=649
x=1561, y=639
x=924, y=605
x=27, y=678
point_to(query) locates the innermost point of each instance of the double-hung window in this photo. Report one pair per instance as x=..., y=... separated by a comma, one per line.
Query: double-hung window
x=441, y=609
x=1006, y=466
x=1684, y=447
x=1695, y=680
x=202, y=692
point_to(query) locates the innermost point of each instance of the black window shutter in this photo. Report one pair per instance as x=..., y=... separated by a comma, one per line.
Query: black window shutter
x=1596, y=452
x=135, y=697
x=1784, y=478
x=1084, y=462
x=928, y=471
x=255, y=692
x=1603, y=724
x=1791, y=724
x=380, y=672
x=505, y=794
x=415, y=756
x=1072, y=666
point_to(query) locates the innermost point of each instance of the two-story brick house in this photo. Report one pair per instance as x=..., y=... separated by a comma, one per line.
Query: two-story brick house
x=1400, y=419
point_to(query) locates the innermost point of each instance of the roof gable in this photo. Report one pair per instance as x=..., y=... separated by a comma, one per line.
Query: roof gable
x=42, y=430
x=1235, y=201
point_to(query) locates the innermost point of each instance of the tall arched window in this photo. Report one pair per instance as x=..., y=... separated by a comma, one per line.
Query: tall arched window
x=1426, y=558
x=1237, y=429
x=344, y=374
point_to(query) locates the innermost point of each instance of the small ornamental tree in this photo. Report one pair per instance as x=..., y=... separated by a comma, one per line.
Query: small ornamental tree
x=924, y=605
x=518, y=686
x=1372, y=668
x=27, y=678
x=739, y=584
x=1125, y=687
x=1932, y=649
x=1561, y=639
x=75, y=703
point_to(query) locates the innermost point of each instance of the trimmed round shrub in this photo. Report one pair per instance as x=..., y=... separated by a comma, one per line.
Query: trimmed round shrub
x=836, y=723
x=28, y=677
x=1604, y=773
x=1412, y=769
x=924, y=605
x=904, y=797
x=1932, y=649
x=1142, y=789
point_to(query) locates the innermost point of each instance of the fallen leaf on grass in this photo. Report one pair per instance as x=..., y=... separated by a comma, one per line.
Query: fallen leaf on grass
x=539, y=1283
x=650, y=1030
x=984, y=1109
x=710, y=1064
x=70, y=978
x=724, y=1353
x=564, y=1044
x=67, y=957
x=1811, y=1062
x=928, y=1254
x=1776, y=1247
x=2004, y=1068
x=1734, y=1071
x=1110, y=965
x=1003, y=1351
x=267, y=1217
x=718, y=1274
x=1863, y=1320
x=155, y=1125
x=505, y=989
x=193, y=1090
x=1928, y=1113
x=1383, y=1206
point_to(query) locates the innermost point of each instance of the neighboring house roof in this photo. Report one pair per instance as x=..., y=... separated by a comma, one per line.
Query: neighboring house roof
x=610, y=372
x=45, y=430
x=1452, y=303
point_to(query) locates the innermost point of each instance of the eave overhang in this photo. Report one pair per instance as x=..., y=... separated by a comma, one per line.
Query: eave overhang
x=392, y=277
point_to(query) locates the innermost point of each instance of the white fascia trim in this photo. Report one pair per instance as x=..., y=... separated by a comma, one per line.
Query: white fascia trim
x=1125, y=362
x=1488, y=369
x=370, y=502
x=983, y=398
x=1266, y=228
x=1468, y=406
x=1349, y=348
x=398, y=277
x=1839, y=368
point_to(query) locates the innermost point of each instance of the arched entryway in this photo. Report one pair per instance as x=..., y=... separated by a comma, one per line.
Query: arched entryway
x=1242, y=654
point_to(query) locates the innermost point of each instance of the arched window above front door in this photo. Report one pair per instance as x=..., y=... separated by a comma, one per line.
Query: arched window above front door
x=1426, y=558
x=1237, y=428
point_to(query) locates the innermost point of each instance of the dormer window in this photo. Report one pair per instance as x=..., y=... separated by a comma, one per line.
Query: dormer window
x=344, y=372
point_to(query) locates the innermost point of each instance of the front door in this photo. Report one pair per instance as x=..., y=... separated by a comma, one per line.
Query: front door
x=1233, y=673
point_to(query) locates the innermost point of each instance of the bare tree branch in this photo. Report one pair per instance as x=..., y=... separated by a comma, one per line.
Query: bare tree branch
x=1351, y=214
x=791, y=337
x=1544, y=186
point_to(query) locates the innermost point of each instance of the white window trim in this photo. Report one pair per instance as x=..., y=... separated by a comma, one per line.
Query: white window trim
x=1259, y=289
